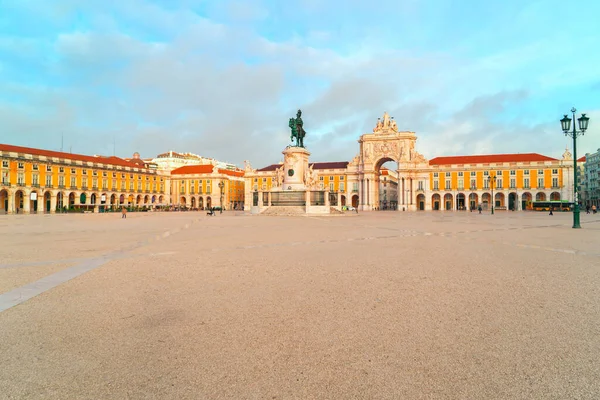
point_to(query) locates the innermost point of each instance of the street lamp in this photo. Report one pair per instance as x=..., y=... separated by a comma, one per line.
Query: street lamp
x=566, y=127
x=221, y=186
x=492, y=183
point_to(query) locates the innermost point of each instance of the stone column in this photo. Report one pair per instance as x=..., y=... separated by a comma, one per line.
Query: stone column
x=26, y=203
x=339, y=200
x=11, y=203
x=327, y=204
x=52, y=203
x=307, y=194
x=269, y=196
x=260, y=199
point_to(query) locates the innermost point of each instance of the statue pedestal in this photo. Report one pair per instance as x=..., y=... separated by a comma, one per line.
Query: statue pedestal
x=295, y=166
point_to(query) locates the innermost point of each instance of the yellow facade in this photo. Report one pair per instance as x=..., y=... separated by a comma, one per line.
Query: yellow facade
x=36, y=180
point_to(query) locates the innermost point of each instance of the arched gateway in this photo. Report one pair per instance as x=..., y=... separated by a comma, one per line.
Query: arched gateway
x=387, y=143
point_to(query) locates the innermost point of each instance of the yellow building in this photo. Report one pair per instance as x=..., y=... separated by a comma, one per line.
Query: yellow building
x=205, y=186
x=36, y=181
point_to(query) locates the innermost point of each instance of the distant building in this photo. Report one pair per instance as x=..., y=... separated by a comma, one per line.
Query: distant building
x=172, y=160
x=591, y=179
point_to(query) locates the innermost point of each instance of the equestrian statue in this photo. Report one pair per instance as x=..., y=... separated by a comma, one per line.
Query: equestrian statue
x=298, y=132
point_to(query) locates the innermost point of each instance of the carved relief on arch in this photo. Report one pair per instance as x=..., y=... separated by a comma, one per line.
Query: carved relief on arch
x=383, y=149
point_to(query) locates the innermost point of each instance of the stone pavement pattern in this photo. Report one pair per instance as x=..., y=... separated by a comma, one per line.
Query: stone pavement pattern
x=377, y=305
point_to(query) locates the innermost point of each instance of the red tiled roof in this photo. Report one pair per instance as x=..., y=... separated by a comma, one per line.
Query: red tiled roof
x=582, y=159
x=330, y=165
x=490, y=158
x=193, y=169
x=70, y=156
x=271, y=167
x=231, y=172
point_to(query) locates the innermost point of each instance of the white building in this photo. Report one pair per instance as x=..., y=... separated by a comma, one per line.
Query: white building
x=172, y=160
x=592, y=179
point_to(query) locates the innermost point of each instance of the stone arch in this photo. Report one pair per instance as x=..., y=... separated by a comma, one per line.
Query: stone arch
x=146, y=199
x=153, y=199
x=540, y=196
x=386, y=143
x=35, y=201
x=193, y=202
x=122, y=199
x=71, y=199
x=47, y=202
x=486, y=200
x=421, y=202
x=83, y=198
x=499, y=200
x=19, y=201
x=161, y=199
x=355, y=201
x=208, y=202
x=138, y=200
x=448, y=202
x=513, y=201
x=436, y=202
x=526, y=199
x=473, y=201
x=182, y=200
x=343, y=200
x=554, y=196
x=4, y=201
x=461, y=201
x=93, y=199
x=201, y=203
x=60, y=201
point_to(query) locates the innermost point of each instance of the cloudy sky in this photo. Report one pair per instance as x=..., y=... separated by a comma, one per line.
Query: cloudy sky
x=221, y=78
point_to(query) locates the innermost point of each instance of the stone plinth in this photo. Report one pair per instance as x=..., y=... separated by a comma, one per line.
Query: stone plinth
x=295, y=166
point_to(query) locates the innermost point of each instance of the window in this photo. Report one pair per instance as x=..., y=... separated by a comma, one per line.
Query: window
x=61, y=181
x=20, y=179
x=122, y=176
x=5, y=177
x=104, y=183
x=4, y=164
x=131, y=186
x=104, y=173
x=341, y=178
x=130, y=176
x=95, y=173
x=526, y=183
x=461, y=184
x=513, y=172
x=526, y=172
x=84, y=182
x=447, y=187
x=473, y=173
x=435, y=185
x=540, y=182
x=540, y=172
x=114, y=175
x=486, y=173
x=84, y=171
x=355, y=186
x=61, y=169
x=554, y=182
x=35, y=167
x=420, y=185
x=513, y=183
x=461, y=173
x=331, y=178
x=473, y=184
x=486, y=184
x=447, y=174
x=95, y=182
x=73, y=171
x=435, y=174
x=48, y=168
x=331, y=188
x=73, y=182
x=35, y=180
x=499, y=183
x=48, y=180
x=255, y=179
x=554, y=172
x=321, y=178
x=498, y=173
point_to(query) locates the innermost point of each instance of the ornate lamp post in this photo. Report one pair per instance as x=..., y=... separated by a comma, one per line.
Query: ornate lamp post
x=492, y=183
x=566, y=127
x=221, y=186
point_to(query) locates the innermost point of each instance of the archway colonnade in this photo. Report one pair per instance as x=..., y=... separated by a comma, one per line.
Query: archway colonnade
x=28, y=200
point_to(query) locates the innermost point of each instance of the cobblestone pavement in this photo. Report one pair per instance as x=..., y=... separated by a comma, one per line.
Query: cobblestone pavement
x=379, y=305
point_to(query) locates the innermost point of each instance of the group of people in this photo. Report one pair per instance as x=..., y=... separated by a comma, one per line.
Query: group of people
x=592, y=208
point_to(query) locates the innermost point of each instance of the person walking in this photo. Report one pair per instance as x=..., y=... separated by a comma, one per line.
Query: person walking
x=479, y=209
x=551, y=210
x=587, y=209
x=594, y=209
x=123, y=213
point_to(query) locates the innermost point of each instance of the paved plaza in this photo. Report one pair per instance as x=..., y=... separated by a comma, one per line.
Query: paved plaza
x=379, y=305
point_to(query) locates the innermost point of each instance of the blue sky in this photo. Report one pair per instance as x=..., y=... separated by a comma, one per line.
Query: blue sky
x=221, y=78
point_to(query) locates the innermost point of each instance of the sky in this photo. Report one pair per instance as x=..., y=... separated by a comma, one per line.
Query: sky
x=222, y=78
